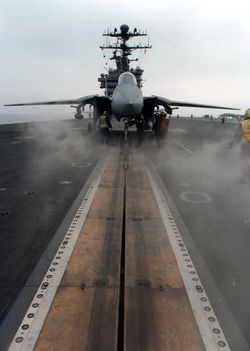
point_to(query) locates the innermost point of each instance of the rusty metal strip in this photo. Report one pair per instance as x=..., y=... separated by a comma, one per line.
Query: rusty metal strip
x=84, y=312
x=209, y=327
x=158, y=315
x=29, y=330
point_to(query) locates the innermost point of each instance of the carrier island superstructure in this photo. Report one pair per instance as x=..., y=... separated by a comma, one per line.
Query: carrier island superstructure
x=121, y=55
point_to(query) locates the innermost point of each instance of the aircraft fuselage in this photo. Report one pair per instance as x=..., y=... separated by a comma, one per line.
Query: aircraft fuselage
x=127, y=100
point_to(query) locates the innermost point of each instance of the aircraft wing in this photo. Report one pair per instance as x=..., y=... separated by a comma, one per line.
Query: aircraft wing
x=163, y=101
x=90, y=99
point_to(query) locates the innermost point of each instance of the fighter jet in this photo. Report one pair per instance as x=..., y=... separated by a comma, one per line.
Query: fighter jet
x=123, y=97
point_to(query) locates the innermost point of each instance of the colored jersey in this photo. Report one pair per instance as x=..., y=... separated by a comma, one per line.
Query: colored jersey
x=247, y=114
x=245, y=126
x=103, y=123
x=163, y=128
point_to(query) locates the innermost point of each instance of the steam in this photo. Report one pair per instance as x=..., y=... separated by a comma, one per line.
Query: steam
x=60, y=157
x=219, y=228
x=212, y=158
x=59, y=144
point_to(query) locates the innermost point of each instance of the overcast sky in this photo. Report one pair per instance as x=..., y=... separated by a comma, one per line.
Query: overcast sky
x=50, y=50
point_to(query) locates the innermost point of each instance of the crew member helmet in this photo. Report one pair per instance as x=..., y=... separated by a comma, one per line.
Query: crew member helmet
x=247, y=113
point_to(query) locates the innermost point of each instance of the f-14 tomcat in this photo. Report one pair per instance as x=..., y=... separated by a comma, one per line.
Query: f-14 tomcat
x=123, y=97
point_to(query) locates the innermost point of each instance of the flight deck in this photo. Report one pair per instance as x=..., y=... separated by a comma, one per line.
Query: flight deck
x=124, y=247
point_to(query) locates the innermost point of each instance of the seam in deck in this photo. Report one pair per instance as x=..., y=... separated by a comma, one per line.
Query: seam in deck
x=120, y=338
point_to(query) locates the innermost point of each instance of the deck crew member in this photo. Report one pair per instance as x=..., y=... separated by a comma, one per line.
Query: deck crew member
x=164, y=124
x=245, y=136
x=161, y=127
x=156, y=125
x=139, y=130
x=242, y=136
x=104, y=124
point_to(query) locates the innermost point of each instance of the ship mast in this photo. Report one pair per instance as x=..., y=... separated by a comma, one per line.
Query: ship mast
x=121, y=53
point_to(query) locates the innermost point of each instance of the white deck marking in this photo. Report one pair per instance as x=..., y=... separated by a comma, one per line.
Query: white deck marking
x=31, y=326
x=81, y=164
x=184, y=147
x=170, y=164
x=209, y=327
x=169, y=142
x=176, y=130
x=195, y=197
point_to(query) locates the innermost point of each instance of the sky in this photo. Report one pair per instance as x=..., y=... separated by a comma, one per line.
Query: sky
x=50, y=50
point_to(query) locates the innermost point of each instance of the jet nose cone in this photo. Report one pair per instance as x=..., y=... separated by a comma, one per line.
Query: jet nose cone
x=127, y=101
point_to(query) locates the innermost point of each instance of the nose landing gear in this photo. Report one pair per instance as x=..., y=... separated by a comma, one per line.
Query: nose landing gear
x=126, y=125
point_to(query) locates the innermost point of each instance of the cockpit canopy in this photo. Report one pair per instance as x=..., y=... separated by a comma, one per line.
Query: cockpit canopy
x=127, y=78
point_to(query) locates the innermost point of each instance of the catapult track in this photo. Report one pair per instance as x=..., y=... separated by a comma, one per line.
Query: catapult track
x=122, y=278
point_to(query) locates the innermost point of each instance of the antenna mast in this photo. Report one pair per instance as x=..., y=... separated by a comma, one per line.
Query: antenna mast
x=121, y=53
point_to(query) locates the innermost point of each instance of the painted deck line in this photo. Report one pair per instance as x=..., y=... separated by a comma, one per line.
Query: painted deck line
x=184, y=147
x=29, y=330
x=209, y=327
